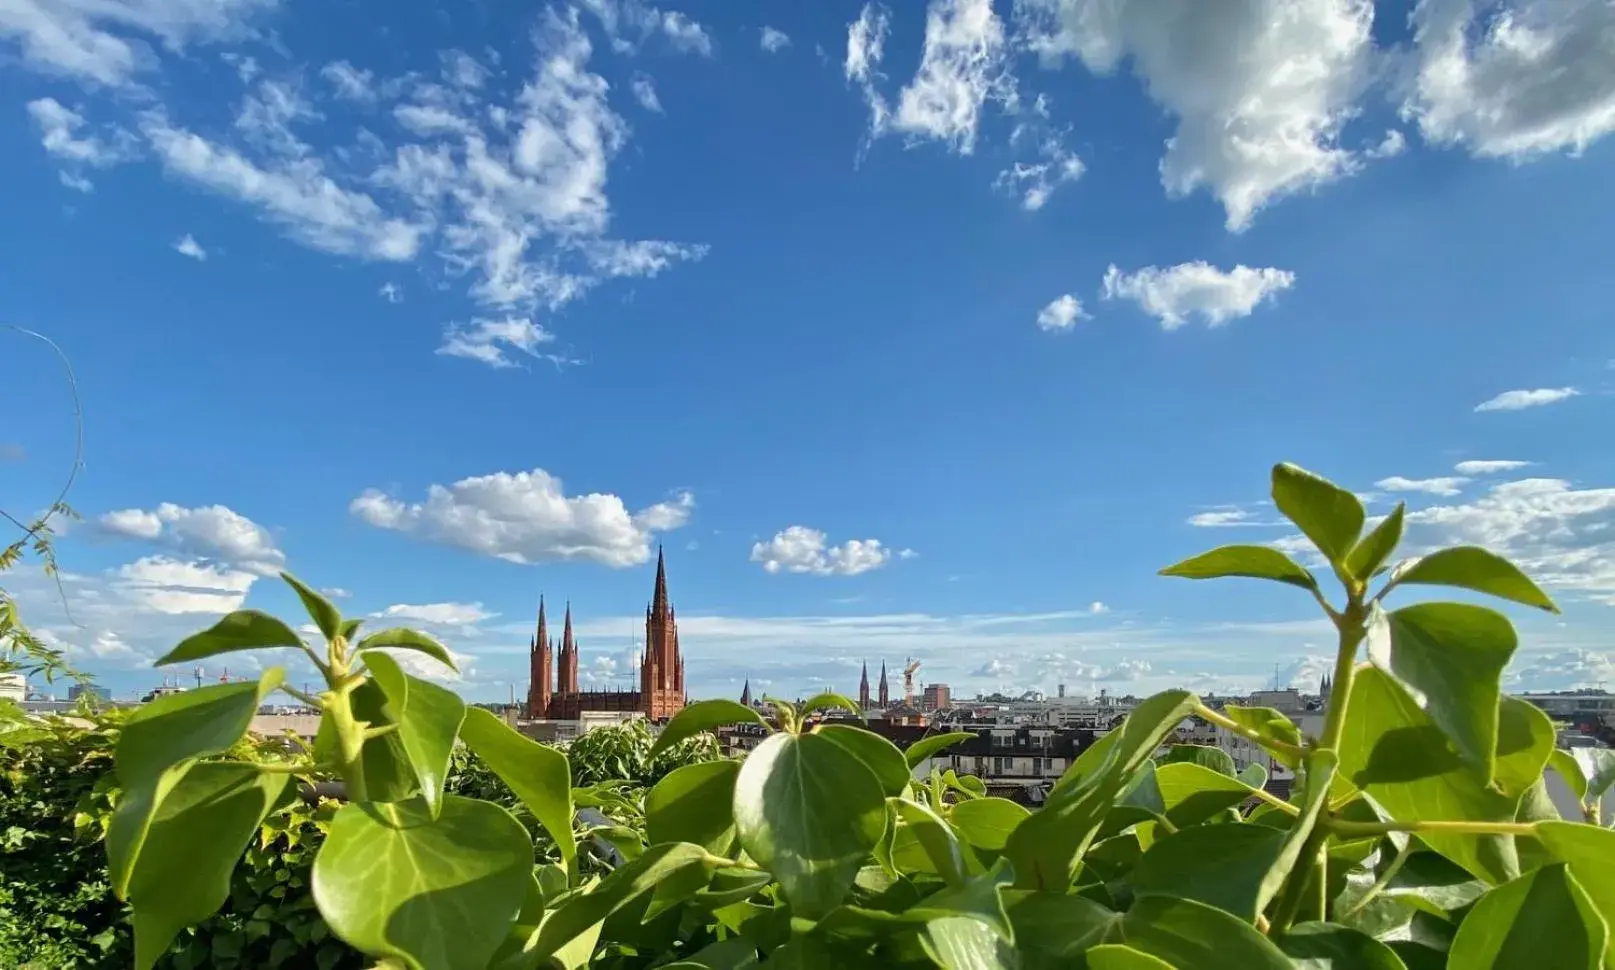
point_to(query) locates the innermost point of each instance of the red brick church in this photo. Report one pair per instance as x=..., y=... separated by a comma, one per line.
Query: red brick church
x=661, y=671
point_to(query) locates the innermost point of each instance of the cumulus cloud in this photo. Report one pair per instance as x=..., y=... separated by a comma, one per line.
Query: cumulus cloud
x=437, y=614
x=211, y=532
x=1223, y=518
x=1522, y=399
x=1513, y=79
x=187, y=245
x=799, y=549
x=774, y=40
x=527, y=517
x=1488, y=466
x=962, y=64
x=1450, y=485
x=165, y=585
x=1174, y=294
x=1061, y=314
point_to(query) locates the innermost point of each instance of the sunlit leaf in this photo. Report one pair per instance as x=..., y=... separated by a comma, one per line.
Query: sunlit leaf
x=402, y=638
x=694, y=804
x=325, y=616
x=241, y=630
x=537, y=774
x=1326, y=513
x=704, y=716
x=933, y=744
x=878, y=754
x=1473, y=568
x=428, y=719
x=1371, y=551
x=986, y=823
x=1254, y=562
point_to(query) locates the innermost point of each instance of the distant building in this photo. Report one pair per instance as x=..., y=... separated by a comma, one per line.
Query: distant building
x=97, y=692
x=13, y=687
x=935, y=697
x=661, y=671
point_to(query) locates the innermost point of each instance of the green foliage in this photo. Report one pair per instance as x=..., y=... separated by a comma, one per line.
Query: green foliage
x=1416, y=835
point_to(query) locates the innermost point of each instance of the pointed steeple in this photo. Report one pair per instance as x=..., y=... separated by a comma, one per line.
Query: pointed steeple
x=885, y=692
x=569, y=656
x=745, y=693
x=543, y=627
x=863, y=688
x=659, y=602
x=539, y=669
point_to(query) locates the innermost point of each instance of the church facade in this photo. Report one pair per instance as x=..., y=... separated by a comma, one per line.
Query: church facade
x=553, y=691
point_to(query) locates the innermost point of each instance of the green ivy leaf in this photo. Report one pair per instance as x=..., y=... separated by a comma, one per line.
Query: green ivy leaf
x=1216, y=759
x=828, y=701
x=428, y=719
x=1191, y=793
x=1054, y=930
x=878, y=754
x=436, y=894
x=1253, y=562
x=933, y=744
x=1525, y=737
x=962, y=943
x=694, y=804
x=735, y=953
x=986, y=823
x=201, y=825
x=950, y=859
x=1326, y=513
x=1391, y=750
x=1046, y=848
x=704, y=716
x=628, y=883
x=1541, y=921
x=1473, y=568
x=1219, y=865
x=537, y=774
x=241, y=630
x=1371, y=552
x=1269, y=724
x=1329, y=946
x=402, y=638
x=809, y=812
x=1569, y=768
x=325, y=616
x=388, y=774
x=1453, y=654
x=1116, y=956
x=1587, y=849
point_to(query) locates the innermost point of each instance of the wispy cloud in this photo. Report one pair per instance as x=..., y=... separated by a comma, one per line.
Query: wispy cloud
x=1522, y=399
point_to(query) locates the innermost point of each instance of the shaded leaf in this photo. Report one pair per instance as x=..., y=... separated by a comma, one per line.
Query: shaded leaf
x=1540, y=921
x=878, y=754
x=392, y=881
x=809, y=812
x=1191, y=793
x=537, y=774
x=703, y=716
x=949, y=858
x=1525, y=737
x=1205, y=756
x=1254, y=775
x=628, y=883
x=1587, y=849
x=428, y=719
x=1326, y=513
x=1570, y=769
x=1115, y=956
x=1328, y=946
x=402, y=638
x=1370, y=553
x=694, y=804
x=1473, y=568
x=1254, y=562
x=962, y=943
x=241, y=630
x=1270, y=724
x=325, y=616
x=1193, y=936
x=931, y=745
x=1219, y=865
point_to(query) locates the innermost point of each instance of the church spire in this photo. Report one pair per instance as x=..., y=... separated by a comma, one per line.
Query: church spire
x=863, y=688
x=885, y=693
x=543, y=628
x=569, y=655
x=659, y=601
x=745, y=693
x=538, y=668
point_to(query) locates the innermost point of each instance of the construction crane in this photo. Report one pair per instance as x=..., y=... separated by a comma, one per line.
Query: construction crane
x=908, y=681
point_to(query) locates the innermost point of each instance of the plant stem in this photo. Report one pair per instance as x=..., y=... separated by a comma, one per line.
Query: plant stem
x=349, y=741
x=296, y=768
x=308, y=699
x=1228, y=724
x=1350, y=625
x=1275, y=801
x=1380, y=883
x=1344, y=828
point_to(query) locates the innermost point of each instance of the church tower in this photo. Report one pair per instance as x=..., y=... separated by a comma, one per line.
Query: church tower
x=885, y=695
x=745, y=693
x=569, y=657
x=863, y=688
x=539, y=671
x=661, y=673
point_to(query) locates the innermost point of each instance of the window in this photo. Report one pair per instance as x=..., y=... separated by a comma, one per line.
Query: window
x=1037, y=766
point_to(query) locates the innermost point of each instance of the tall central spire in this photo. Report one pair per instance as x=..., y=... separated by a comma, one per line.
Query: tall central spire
x=569, y=656
x=863, y=688
x=659, y=602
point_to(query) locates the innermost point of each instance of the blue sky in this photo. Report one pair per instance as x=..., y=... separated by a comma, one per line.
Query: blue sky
x=907, y=332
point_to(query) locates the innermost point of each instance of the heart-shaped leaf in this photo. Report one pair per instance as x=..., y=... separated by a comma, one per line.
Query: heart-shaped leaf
x=809, y=812
x=428, y=719
x=986, y=823
x=1326, y=513
x=201, y=825
x=537, y=774
x=241, y=630
x=704, y=716
x=694, y=804
x=325, y=616
x=1219, y=865
x=393, y=881
x=1473, y=568
x=1453, y=654
x=878, y=754
x=1254, y=562
x=1541, y=921
x=932, y=745
x=402, y=638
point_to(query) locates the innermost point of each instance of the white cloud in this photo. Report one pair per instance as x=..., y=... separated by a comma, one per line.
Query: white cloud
x=64, y=138
x=1173, y=294
x=488, y=340
x=1036, y=181
x=866, y=45
x=1570, y=669
x=391, y=292
x=527, y=517
x=645, y=92
x=1450, y=485
x=107, y=41
x=187, y=245
x=350, y=83
x=1260, y=90
x=335, y=592
x=437, y=614
x=296, y=194
x=1061, y=313
x=1393, y=144
x=1522, y=399
x=1526, y=78
x=799, y=549
x=962, y=64
x=773, y=40
x=165, y=585
x=212, y=532
x=630, y=23
x=1097, y=608
x=1488, y=467
x=1222, y=518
